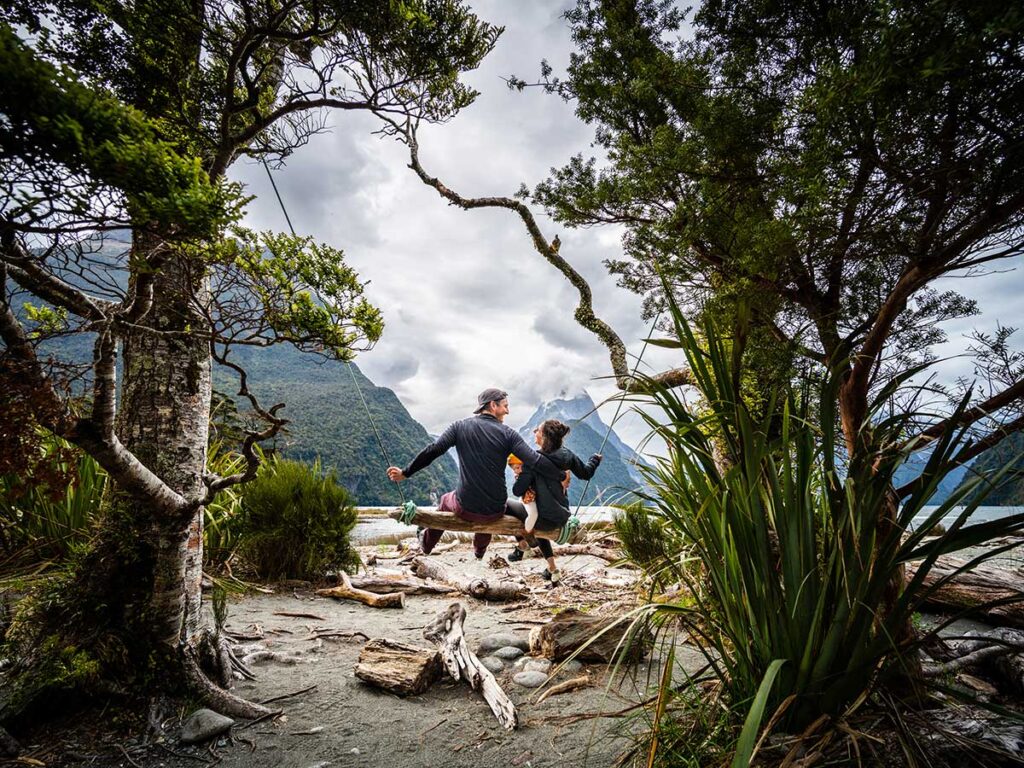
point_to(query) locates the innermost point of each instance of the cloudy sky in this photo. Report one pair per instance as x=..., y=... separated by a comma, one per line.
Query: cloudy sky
x=467, y=301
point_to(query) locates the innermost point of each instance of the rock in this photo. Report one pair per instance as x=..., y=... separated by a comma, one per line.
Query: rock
x=530, y=679
x=204, y=724
x=569, y=668
x=509, y=653
x=500, y=640
x=538, y=665
x=492, y=663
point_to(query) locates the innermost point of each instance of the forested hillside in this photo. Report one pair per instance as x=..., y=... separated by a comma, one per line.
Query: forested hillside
x=328, y=420
x=1010, y=491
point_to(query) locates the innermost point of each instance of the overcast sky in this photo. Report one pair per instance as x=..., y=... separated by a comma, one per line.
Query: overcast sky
x=468, y=303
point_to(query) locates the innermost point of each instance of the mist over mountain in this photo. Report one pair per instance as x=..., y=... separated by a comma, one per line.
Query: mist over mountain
x=618, y=472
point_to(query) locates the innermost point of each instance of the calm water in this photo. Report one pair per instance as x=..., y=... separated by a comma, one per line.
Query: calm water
x=374, y=529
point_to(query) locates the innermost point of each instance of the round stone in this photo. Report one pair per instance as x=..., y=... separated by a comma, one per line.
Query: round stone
x=204, y=724
x=509, y=653
x=530, y=679
x=498, y=640
x=538, y=665
x=495, y=665
x=568, y=668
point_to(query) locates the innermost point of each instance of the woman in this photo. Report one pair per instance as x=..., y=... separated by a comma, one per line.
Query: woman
x=552, y=504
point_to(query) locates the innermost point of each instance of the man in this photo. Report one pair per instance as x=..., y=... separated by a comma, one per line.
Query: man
x=483, y=443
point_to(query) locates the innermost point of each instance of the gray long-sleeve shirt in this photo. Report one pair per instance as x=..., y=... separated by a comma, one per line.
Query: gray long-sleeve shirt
x=483, y=444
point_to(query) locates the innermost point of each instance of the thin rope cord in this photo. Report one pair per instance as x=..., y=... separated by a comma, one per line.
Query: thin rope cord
x=278, y=194
x=618, y=409
x=355, y=382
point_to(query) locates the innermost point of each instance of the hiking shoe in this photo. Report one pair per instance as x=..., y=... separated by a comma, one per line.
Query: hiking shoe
x=546, y=575
x=516, y=556
x=555, y=578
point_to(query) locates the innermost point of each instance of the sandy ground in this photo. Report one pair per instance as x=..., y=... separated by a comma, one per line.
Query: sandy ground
x=344, y=722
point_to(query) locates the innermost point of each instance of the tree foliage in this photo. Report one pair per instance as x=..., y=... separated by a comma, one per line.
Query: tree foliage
x=823, y=165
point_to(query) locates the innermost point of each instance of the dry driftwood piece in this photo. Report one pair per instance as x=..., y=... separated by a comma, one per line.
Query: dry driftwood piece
x=569, y=685
x=397, y=667
x=447, y=521
x=410, y=586
x=462, y=664
x=593, y=636
x=483, y=589
x=345, y=591
x=983, y=584
x=608, y=554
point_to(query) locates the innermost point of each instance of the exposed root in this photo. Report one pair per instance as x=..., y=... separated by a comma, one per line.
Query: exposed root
x=217, y=698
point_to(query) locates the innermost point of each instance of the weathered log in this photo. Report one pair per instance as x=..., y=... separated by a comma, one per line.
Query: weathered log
x=402, y=669
x=590, y=638
x=410, y=586
x=447, y=521
x=345, y=591
x=483, y=589
x=462, y=664
x=974, y=589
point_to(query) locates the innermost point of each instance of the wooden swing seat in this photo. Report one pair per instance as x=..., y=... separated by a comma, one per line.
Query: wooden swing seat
x=447, y=521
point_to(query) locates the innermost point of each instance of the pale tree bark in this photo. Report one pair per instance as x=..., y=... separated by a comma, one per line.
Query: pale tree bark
x=164, y=421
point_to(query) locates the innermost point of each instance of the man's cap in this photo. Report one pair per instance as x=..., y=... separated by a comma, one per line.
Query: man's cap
x=489, y=395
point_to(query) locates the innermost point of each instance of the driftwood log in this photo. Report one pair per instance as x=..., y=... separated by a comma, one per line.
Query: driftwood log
x=408, y=585
x=402, y=669
x=345, y=591
x=590, y=638
x=483, y=589
x=447, y=521
x=462, y=664
x=996, y=655
x=974, y=589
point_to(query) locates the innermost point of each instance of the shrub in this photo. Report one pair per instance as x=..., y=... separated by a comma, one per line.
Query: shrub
x=296, y=522
x=794, y=606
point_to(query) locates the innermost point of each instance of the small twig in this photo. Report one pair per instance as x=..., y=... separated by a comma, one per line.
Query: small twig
x=259, y=719
x=127, y=756
x=435, y=725
x=291, y=615
x=183, y=754
x=289, y=695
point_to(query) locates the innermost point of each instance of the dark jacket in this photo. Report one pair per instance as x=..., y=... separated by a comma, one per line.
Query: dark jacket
x=483, y=444
x=552, y=503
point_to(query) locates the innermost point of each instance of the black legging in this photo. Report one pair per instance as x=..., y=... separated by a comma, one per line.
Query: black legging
x=515, y=508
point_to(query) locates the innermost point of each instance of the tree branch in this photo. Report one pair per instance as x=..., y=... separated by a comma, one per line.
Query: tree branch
x=584, y=314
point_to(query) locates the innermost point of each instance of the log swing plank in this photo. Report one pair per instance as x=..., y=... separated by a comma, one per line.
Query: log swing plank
x=447, y=521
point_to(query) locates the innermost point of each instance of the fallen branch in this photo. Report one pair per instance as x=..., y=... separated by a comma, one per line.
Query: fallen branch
x=410, y=586
x=483, y=589
x=607, y=554
x=345, y=591
x=447, y=632
x=291, y=615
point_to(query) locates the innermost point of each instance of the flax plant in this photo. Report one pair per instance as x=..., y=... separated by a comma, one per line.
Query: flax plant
x=793, y=604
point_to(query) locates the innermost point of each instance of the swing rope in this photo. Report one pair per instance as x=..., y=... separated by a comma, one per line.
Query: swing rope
x=614, y=418
x=408, y=507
